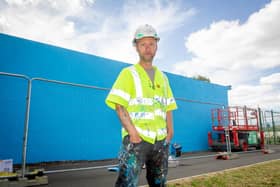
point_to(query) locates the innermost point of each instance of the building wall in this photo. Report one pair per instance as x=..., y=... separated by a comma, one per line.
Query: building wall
x=73, y=123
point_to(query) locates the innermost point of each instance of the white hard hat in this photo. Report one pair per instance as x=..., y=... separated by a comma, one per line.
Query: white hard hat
x=145, y=31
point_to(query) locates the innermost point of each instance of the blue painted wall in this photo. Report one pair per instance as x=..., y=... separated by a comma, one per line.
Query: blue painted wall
x=73, y=123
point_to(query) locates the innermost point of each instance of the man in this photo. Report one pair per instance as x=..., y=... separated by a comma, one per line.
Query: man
x=142, y=97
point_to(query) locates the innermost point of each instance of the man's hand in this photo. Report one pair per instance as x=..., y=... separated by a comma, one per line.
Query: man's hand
x=127, y=124
x=134, y=137
x=168, y=139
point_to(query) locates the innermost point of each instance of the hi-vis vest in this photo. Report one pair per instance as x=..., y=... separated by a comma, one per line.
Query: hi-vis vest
x=146, y=103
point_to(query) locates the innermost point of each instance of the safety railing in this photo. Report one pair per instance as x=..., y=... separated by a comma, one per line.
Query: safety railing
x=28, y=100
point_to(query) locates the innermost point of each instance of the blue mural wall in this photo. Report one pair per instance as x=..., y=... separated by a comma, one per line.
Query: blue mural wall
x=69, y=122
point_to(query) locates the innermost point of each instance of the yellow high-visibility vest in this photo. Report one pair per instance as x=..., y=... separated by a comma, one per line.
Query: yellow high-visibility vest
x=146, y=103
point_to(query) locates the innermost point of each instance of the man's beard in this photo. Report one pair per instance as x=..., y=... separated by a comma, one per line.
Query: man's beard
x=147, y=58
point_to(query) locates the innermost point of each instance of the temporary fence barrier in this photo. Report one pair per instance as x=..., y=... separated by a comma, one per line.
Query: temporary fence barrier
x=270, y=123
x=27, y=115
x=28, y=100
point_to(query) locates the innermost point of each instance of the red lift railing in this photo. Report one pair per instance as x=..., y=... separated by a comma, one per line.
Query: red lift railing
x=235, y=118
x=238, y=122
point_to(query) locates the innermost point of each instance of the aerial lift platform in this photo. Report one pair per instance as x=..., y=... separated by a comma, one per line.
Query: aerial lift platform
x=239, y=124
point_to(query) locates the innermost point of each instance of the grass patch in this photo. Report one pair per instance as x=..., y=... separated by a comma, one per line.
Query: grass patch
x=260, y=175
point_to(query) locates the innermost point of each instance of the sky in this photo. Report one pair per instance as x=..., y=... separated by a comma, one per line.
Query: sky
x=234, y=43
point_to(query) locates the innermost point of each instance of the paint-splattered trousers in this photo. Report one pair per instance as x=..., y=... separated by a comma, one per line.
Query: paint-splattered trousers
x=133, y=156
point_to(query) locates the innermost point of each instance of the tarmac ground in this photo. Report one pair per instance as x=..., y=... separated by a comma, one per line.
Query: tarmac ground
x=190, y=164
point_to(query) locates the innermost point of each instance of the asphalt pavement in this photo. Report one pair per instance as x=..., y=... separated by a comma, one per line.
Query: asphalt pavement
x=190, y=164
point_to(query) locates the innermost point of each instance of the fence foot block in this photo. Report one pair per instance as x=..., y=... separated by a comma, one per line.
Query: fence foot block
x=227, y=156
x=268, y=151
x=31, y=179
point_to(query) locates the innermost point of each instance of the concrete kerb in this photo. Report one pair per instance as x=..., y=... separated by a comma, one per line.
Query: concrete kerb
x=213, y=173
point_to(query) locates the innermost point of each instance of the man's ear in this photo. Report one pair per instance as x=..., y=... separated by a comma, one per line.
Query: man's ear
x=136, y=48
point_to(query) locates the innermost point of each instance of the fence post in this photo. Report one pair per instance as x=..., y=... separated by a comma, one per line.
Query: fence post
x=26, y=124
x=260, y=118
x=26, y=121
x=273, y=127
x=228, y=143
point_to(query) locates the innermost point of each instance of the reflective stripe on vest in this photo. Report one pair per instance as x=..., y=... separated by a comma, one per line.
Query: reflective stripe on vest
x=149, y=101
x=160, y=113
x=161, y=100
x=170, y=101
x=146, y=133
x=147, y=115
x=161, y=132
x=137, y=81
x=120, y=93
x=141, y=101
x=141, y=115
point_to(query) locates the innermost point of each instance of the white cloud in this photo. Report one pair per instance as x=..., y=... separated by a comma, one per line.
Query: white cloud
x=272, y=79
x=164, y=15
x=47, y=21
x=231, y=53
x=265, y=96
x=78, y=25
x=116, y=35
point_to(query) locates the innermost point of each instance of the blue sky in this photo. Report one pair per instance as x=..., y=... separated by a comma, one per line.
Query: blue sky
x=231, y=42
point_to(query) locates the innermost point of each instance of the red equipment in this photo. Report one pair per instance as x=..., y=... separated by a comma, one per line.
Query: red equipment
x=242, y=124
